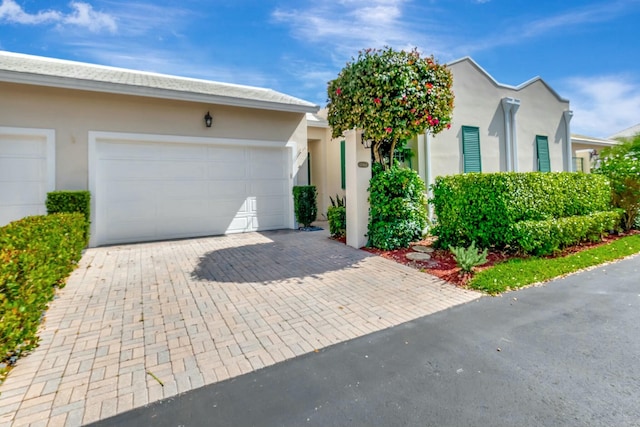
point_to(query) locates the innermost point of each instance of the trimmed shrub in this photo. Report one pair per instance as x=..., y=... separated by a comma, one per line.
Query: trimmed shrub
x=305, y=205
x=482, y=208
x=337, y=217
x=548, y=236
x=69, y=202
x=397, y=213
x=36, y=255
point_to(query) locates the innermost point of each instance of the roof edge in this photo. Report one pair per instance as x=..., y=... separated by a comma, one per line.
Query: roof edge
x=506, y=86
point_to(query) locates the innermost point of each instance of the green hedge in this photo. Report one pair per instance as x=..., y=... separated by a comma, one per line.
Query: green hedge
x=397, y=212
x=548, y=236
x=337, y=217
x=483, y=208
x=304, y=204
x=36, y=254
x=69, y=202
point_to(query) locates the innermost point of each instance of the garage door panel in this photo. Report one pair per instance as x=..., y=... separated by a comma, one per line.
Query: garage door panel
x=226, y=188
x=227, y=171
x=267, y=222
x=26, y=172
x=268, y=188
x=127, y=150
x=152, y=191
x=227, y=154
x=268, y=205
x=28, y=193
x=30, y=146
x=173, y=152
x=22, y=169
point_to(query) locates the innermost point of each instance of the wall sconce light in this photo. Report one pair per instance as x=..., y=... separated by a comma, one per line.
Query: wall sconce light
x=208, y=120
x=366, y=143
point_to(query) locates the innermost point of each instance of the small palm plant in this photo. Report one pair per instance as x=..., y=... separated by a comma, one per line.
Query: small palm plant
x=468, y=258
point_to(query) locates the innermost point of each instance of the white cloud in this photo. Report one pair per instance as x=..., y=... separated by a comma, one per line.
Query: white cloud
x=85, y=16
x=82, y=15
x=351, y=25
x=603, y=105
x=11, y=11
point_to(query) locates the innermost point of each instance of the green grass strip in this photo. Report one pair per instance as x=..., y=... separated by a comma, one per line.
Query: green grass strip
x=517, y=273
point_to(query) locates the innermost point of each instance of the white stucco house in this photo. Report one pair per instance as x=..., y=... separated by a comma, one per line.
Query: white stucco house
x=495, y=128
x=140, y=143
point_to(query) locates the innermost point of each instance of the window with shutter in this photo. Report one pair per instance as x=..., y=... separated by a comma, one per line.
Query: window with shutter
x=471, y=149
x=542, y=148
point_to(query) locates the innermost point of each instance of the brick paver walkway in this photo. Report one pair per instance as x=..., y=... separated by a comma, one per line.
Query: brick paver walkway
x=138, y=323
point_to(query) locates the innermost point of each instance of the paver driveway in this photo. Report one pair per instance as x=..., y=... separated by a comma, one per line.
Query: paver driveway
x=138, y=323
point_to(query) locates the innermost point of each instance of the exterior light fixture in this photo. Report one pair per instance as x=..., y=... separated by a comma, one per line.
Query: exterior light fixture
x=366, y=143
x=208, y=120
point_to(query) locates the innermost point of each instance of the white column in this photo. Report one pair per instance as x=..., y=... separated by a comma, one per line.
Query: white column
x=514, y=133
x=506, y=108
x=569, y=153
x=421, y=157
x=357, y=175
x=428, y=179
x=510, y=107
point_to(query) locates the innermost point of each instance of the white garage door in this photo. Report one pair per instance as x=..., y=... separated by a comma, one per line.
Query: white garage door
x=27, y=159
x=150, y=190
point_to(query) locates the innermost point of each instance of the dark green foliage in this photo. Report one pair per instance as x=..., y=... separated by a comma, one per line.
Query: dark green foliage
x=305, y=205
x=337, y=217
x=36, y=254
x=548, y=236
x=470, y=257
x=621, y=164
x=339, y=201
x=483, y=208
x=397, y=213
x=69, y=202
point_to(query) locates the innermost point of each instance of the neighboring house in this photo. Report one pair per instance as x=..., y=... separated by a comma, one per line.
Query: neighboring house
x=495, y=127
x=138, y=141
x=587, y=150
x=627, y=133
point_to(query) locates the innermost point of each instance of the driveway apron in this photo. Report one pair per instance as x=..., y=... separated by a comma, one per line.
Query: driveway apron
x=139, y=323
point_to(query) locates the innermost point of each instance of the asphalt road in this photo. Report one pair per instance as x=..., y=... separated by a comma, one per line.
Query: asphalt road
x=565, y=354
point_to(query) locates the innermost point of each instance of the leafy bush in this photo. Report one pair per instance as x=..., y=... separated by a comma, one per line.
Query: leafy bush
x=337, y=217
x=482, y=208
x=548, y=236
x=468, y=258
x=305, y=205
x=36, y=254
x=69, y=202
x=621, y=164
x=397, y=213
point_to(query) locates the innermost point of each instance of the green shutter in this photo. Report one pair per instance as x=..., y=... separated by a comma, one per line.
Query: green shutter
x=471, y=149
x=542, y=146
x=343, y=170
x=308, y=168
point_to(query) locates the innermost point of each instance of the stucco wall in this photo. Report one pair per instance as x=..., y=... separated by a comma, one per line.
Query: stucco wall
x=73, y=113
x=478, y=103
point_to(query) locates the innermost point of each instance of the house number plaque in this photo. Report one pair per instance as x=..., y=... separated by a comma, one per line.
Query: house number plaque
x=363, y=164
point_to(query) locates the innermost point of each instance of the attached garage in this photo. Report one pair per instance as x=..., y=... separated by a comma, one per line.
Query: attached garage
x=139, y=142
x=150, y=187
x=27, y=171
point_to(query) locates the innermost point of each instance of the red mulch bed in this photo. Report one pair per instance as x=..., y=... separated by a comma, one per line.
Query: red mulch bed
x=444, y=266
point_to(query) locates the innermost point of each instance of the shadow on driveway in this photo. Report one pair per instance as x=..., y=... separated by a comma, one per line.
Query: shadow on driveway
x=280, y=255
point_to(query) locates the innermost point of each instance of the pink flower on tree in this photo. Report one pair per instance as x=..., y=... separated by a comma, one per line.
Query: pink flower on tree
x=338, y=91
x=377, y=101
x=389, y=130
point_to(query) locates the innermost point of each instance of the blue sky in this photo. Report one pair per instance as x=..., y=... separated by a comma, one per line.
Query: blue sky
x=588, y=51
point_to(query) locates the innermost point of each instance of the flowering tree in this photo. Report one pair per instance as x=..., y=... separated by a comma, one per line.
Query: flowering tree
x=391, y=95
